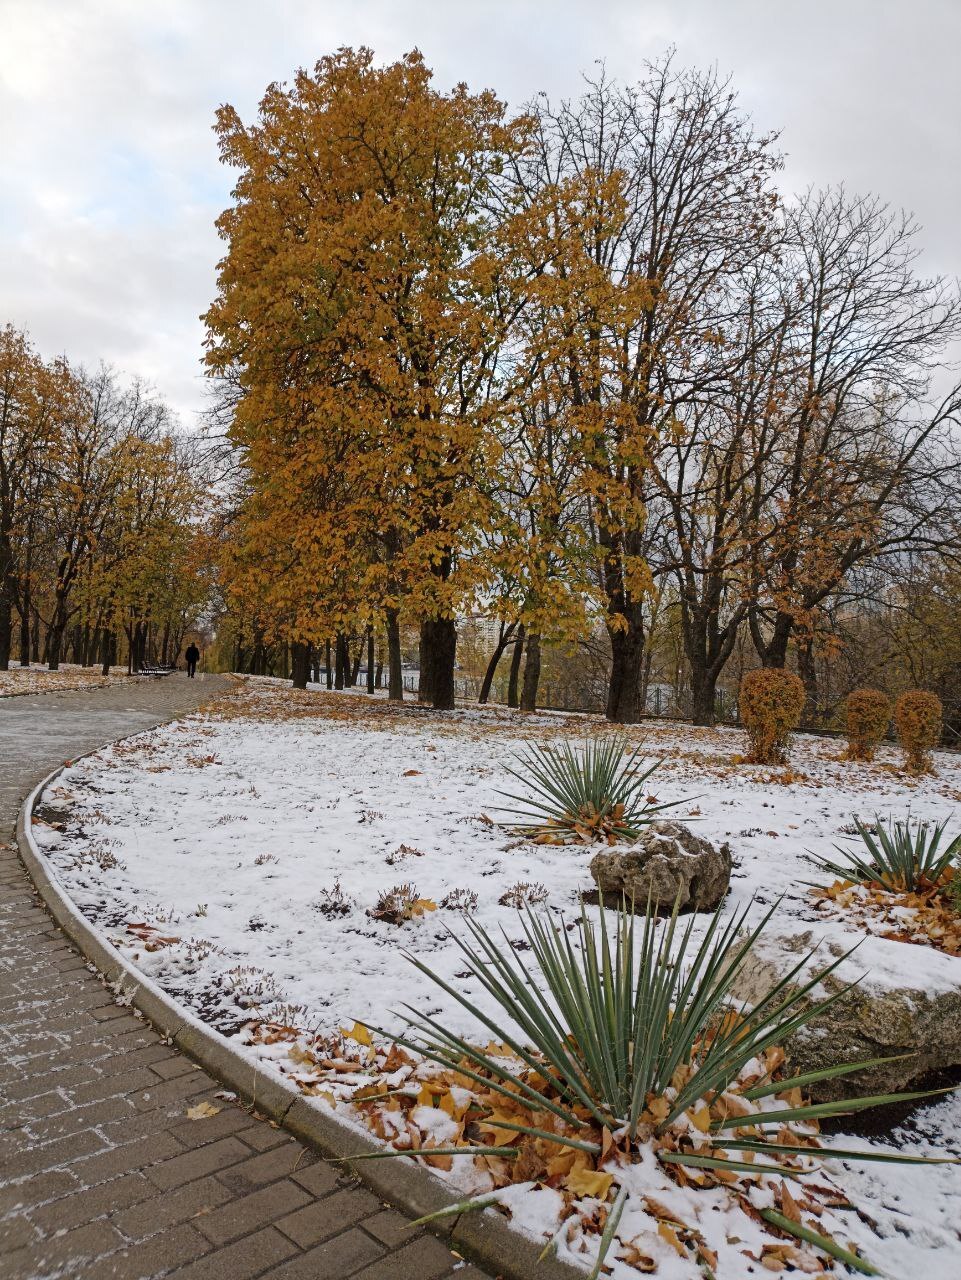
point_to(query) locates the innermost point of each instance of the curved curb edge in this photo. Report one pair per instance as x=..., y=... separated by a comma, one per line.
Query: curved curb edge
x=484, y=1237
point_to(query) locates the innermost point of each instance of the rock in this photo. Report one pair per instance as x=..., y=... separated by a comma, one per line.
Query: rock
x=667, y=860
x=873, y=1020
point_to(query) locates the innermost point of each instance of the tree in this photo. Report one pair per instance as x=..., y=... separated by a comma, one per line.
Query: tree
x=32, y=396
x=357, y=314
x=674, y=203
x=714, y=485
x=867, y=465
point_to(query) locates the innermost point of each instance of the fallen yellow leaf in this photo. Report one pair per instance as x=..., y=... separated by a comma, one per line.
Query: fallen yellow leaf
x=670, y=1235
x=588, y=1182
x=201, y=1111
x=701, y=1118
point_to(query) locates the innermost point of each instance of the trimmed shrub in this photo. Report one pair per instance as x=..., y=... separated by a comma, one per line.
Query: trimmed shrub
x=867, y=714
x=917, y=719
x=771, y=701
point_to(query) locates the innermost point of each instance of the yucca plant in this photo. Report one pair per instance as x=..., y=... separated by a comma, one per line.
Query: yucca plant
x=614, y=1017
x=581, y=796
x=625, y=1028
x=900, y=856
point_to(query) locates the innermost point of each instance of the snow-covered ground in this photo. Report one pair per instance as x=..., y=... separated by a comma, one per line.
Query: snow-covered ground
x=38, y=679
x=247, y=846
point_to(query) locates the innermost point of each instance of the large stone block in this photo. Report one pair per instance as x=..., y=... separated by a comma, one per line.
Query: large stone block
x=667, y=864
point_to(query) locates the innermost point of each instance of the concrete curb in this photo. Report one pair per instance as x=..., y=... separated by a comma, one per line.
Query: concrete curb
x=484, y=1237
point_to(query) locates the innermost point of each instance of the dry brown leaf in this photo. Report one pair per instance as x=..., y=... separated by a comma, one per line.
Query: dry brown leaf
x=638, y=1258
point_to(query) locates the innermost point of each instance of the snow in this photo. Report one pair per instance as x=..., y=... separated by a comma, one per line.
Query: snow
x=230, y=831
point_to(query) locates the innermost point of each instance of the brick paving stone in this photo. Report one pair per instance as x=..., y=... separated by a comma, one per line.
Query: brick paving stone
x=77, y=1118
x=172, y=1064
x=270, y=1166
x=102, y=1175
x=61, y=1252
x=87, y=1203
x=18, y=1197
x=230, y=1121
x=17, y=1233
x=325, y=1217
x=318, y=1178
x=391, y=1228
x=31, y=1160
x=182, y=1204
x=343, y=1255
x=256, y=1210
x=165, y=1253
x=187, y=1165
x=426, y=1258
x=266, y=1135
x=248, y=1257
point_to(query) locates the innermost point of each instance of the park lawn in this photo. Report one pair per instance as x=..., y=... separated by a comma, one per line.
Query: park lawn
x=235, y=857
x=38, y=679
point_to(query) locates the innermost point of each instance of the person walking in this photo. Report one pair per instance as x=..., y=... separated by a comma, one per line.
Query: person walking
x=193, y=657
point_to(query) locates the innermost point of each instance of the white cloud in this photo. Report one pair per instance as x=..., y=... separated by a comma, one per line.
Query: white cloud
x=110, y=182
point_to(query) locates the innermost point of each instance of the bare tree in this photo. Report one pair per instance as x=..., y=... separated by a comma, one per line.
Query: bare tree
x=866, y=465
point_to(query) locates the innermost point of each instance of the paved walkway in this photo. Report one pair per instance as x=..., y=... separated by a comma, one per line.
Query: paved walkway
x=102, y=1175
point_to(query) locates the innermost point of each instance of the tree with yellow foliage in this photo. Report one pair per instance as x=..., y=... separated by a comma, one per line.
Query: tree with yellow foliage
x=32, y=398
x=652, y=199
x=358, y=314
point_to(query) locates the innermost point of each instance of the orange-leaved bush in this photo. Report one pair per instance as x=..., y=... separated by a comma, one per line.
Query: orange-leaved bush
x=917, y=718
x=867, y=714
x=771, y=701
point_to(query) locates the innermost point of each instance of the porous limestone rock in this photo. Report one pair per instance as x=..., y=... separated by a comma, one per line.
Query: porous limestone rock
x=667, y=864
x=918, y=1024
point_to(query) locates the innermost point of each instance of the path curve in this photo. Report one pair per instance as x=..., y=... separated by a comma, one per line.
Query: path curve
x=102, y=1174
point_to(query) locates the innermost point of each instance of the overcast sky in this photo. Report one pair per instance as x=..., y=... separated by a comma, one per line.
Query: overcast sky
x=110, y=183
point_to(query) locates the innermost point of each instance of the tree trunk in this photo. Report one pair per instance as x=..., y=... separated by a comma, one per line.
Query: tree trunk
x=438, y=653
x=625, y=695
x=532, y=672
x=503, y=640
x=108, y=651
x=300, y=664
x=370, y=659
x=25, y=646
x=328, y=669
x=355, y=665
x=6, y=628
x=515, y=666
x=807, y=670
x=703, y=693
x=138, y=646
x=54, y=641
x=341, y=660
x=395, y=671
x=773, y=651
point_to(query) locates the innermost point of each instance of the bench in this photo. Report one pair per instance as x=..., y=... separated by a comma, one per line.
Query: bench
x=155, y=671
